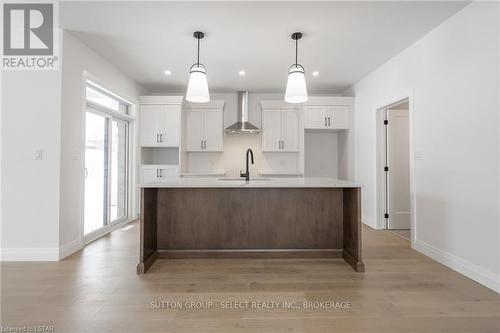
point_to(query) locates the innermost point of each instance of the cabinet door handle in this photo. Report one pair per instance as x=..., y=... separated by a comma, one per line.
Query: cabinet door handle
x=161, y=173
x=279, y=144
x=329, y=121
x=282, y=144
x=157, y=138
x=204, y=144
x=201, y=144
x=325, y=122
x=157, y=173
x=161, y=137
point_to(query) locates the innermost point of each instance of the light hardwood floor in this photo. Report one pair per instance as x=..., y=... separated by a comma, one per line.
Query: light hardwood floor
x=97, y=290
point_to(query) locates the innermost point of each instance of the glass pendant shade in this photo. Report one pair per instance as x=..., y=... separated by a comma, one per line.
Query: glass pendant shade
x=296, y=90
x=197, y=91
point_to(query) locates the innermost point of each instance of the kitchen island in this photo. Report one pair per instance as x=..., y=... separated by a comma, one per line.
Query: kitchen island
x=261, y=218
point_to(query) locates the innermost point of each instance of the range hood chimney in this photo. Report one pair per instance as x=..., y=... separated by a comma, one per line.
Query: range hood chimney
x=242, y=126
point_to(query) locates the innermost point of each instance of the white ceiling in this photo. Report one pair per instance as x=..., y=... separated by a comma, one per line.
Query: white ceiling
x=344, y=41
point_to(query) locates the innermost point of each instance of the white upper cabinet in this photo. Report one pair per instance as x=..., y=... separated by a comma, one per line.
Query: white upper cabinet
x=271, y=129
x=214, y=129
x=160, y=125
x=327, y=113
x=338, y=117
x=194, y=129
x=315, y=117
x=280, y=130
x=290, y=134
x=204, y=127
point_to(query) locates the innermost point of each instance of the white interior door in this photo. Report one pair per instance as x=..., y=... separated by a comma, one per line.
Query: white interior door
x=398, y=159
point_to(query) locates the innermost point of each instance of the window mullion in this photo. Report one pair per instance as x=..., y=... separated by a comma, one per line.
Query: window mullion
x=109, y=167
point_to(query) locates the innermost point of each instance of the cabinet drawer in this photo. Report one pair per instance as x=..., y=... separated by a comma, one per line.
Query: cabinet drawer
x=151, y=174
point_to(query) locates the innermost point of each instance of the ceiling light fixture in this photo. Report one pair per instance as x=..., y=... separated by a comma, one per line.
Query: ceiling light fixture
x=315, y=73
x=167, y=72
x=197, y=90
x=296, y=90
x=242, y=73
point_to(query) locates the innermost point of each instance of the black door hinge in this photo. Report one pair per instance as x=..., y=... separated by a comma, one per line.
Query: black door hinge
x=386, y=215
x=386, y=122
x=386, y=168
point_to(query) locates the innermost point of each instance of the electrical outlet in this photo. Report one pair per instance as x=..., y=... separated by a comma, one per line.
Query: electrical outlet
x=38, y=155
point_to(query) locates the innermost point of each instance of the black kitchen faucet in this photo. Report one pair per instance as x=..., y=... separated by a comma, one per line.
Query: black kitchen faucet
x=247, y=173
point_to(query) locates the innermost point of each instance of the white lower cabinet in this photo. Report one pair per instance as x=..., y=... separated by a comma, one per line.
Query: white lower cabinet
x=152, y=174
x=280, y=130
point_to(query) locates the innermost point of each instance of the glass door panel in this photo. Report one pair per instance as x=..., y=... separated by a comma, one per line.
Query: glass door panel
x=118, y=192
x=96, y=172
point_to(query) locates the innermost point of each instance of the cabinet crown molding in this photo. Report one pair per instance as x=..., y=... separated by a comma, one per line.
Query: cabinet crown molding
x=172, y=100
x=329, y=100
x=215, y=104
x=279, y=105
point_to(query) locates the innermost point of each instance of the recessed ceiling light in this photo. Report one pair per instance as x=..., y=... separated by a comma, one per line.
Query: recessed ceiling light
x=167, y=72
x=242, y=73
x=315, y=73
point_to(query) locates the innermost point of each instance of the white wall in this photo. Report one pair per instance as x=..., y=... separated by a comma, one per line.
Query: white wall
x=321, y=154
x=31, y=111
x=77, y=59
x=452, y=73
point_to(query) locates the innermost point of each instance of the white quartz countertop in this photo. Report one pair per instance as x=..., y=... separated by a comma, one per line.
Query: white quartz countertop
x=253, y=183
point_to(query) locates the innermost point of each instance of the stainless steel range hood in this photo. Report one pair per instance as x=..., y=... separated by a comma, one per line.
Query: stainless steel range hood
x=242, y=126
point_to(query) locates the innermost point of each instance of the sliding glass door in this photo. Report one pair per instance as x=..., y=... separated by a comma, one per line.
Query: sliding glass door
x=106, y=170
x=119, y=179
x=96, y=172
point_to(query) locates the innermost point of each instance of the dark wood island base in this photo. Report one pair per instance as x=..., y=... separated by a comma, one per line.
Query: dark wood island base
x=270, y=222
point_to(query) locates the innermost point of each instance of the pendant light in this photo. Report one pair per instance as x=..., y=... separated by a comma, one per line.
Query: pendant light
x=197, y=90
x=296, y=90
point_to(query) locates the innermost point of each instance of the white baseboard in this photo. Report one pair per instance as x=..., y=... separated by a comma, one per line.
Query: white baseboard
x=368, y=222
x=472, y=271
x=70, y=248
x=30, y=254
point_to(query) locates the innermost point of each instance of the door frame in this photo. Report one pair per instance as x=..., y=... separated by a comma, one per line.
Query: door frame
x=108, y=224
x=132, y=154
x=378, y=117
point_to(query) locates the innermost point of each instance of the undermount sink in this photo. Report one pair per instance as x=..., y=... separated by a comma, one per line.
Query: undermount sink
x=243, y=179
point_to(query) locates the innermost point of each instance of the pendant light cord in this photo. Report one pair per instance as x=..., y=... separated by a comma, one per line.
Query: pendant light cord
x=198, y=59
x=296, y=51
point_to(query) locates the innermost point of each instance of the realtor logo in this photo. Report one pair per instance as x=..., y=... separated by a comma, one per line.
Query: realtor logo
x=29, y=36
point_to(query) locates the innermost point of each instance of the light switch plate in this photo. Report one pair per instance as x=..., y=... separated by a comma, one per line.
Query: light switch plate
x=38, y=155
x=419, y=155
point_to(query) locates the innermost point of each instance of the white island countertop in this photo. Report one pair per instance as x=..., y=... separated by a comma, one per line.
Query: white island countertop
x=253, y=183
